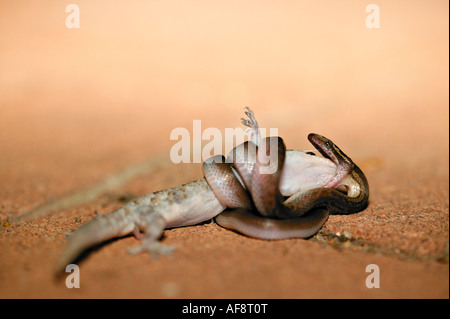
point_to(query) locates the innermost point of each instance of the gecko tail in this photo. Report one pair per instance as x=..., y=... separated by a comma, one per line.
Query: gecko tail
x=94, y=232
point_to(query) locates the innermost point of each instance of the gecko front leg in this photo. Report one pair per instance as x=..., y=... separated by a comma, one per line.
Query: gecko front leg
x=252, y=124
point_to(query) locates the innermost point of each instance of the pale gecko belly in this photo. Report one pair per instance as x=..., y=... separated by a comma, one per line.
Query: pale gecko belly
x=183, y=205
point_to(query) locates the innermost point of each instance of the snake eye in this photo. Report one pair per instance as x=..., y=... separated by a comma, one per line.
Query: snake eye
x=328, y=144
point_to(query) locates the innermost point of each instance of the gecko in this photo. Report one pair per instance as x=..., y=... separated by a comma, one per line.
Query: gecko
x=300, y=177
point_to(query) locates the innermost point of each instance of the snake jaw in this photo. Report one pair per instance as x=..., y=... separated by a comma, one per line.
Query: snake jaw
x=330, y=150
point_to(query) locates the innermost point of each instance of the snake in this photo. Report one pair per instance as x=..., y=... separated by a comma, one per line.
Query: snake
x=249, y=185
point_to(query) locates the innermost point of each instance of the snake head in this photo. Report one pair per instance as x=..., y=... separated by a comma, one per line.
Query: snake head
x=331, y=151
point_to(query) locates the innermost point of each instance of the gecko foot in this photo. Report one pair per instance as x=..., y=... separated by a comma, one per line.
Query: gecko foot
x=154, y=248
x=252, y=124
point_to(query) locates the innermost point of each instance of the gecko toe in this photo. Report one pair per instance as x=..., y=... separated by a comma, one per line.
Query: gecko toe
x=153, y=248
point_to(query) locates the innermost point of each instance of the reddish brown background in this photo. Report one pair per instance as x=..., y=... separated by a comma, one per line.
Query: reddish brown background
x=79, y=105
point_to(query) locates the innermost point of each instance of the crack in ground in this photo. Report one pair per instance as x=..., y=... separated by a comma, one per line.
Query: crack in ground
x=345, y=241
x=89, y=194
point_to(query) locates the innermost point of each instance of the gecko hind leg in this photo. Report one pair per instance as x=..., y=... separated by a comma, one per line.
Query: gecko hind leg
x=151, y=224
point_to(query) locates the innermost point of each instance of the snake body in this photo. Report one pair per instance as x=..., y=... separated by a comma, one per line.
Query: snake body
x=268, y=215
x=271, y=193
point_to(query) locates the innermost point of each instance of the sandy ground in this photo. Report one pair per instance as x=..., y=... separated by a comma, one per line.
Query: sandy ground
x=78, y=106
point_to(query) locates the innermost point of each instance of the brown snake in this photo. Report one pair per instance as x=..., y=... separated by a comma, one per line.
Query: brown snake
x=267, y=215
